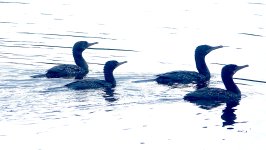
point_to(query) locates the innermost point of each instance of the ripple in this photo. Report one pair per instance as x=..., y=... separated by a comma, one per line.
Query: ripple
x=253, y=3
x=6, y=22
x=4, y=2
x=66, y=35
x=251, y=34
x=30, y=44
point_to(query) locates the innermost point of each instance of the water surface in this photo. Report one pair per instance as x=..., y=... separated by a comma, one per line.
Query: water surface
x=154, y=37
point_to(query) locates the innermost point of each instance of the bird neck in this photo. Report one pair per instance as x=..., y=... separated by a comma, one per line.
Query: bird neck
x=81, y=74
x=202, y=67
x=80, y=61
x=230, y=84
x=109, y=77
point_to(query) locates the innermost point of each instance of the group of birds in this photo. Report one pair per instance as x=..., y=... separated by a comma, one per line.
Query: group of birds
x=200, y=78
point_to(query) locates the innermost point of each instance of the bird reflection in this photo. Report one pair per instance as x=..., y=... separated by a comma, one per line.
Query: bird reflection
x=228, y=115
x=208, y=104
x=109, y=95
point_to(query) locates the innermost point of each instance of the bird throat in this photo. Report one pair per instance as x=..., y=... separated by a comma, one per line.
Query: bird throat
x=80, y=61
x=202, y=67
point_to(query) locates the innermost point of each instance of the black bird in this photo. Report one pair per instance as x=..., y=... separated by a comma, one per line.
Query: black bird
x=185, y=77
x=78, y=71
x=109, y=81
x=232, y=92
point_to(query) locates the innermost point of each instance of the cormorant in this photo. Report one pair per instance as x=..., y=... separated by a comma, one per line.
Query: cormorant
x=78, y=71
x=185, y=77
x=109, y=81
x=232, y=92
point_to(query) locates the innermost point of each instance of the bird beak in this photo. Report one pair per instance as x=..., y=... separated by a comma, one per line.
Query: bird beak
x=241, y=67
x=90, y=44
x=217, y=47
x=120, y=63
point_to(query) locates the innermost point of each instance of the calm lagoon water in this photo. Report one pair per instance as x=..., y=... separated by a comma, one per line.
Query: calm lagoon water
x=154, y=37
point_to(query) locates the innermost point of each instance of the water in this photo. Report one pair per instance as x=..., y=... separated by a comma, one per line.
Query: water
x=36, y=35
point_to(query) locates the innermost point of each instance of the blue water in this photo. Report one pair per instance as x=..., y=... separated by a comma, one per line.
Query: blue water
x=154, y=37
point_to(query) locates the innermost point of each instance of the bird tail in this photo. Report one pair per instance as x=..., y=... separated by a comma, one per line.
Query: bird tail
x=39, y=76
x=55, y=89
x=143, y=81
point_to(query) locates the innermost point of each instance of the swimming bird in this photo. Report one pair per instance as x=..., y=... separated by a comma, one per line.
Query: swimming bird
x=185, y=77
x=78, y=71
x=109, y=81
x=231, y=93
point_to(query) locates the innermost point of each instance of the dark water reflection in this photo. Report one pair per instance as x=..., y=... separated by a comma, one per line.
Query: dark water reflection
x=229, y=115
x=110, y=95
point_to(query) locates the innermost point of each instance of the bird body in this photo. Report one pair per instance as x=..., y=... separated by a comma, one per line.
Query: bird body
x=185, y=77
x=182, y=77
x=108, y=82
x=89, y=84
x=78, y=71
x=65, y=70
x=231, y=92
x=212, y=94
